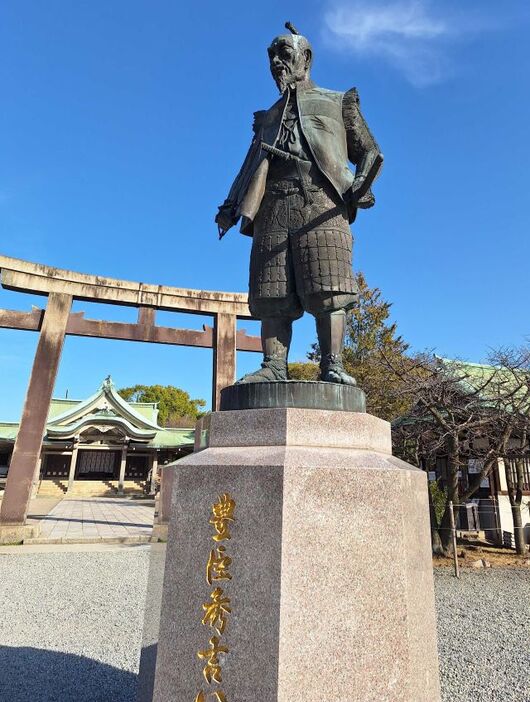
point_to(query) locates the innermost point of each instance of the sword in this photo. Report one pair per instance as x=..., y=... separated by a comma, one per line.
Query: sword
x=278, y=152
x=298, y=161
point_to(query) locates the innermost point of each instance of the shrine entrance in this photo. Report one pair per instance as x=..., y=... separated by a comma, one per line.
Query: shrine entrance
x=55, y=466
x=97, y=465
x=137, y=467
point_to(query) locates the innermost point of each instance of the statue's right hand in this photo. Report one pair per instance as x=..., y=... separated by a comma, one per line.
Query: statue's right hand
x=224, y=219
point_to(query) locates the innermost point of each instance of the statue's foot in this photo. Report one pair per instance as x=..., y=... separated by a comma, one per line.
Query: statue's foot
x=272, y=369
x=332, y=371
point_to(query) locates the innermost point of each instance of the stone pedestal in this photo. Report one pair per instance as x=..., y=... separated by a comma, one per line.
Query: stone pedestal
x=163, y=503
x=17, y=533
x=331, y=589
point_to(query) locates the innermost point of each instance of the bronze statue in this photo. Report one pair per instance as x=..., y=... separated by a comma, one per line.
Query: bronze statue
x=296, y=196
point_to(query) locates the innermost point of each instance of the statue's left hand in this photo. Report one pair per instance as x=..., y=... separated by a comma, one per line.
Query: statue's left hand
x=357, y=198
x=355, y=188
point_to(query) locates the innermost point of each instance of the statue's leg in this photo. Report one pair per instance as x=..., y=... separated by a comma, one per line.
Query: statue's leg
x=277, y=316
x=322, y=261
x=276, y=335
x=331, y=327
x=272, y=295
x=330, y=313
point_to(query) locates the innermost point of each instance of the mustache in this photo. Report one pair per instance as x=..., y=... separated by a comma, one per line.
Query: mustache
x=282, y=68
x=282, y=74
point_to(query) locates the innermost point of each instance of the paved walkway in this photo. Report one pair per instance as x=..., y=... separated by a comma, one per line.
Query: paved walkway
x=97, y=519
x=40, y=507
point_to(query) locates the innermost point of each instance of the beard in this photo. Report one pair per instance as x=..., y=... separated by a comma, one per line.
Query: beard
x=286, y=77
x=283, y=79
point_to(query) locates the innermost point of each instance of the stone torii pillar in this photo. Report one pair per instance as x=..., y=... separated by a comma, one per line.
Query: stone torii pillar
x=28, y=443
x=224, y=364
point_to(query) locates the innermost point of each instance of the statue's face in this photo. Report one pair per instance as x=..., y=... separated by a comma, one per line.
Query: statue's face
x=288, y=62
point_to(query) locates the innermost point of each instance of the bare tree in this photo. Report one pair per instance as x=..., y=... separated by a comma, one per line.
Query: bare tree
x=460, y=410
x=518, y=451
x=516, y=482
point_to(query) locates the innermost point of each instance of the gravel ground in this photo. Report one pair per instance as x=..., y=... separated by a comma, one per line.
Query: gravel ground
x=71, y=626
x=484, y=635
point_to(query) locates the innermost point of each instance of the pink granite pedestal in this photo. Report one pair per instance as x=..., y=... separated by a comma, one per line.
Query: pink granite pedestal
x=331, y=594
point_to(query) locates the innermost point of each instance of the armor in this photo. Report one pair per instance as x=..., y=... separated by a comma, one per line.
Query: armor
x=335, y=132
x=299, y=249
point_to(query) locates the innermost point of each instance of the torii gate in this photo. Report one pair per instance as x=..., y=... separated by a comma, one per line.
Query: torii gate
x=53, y=323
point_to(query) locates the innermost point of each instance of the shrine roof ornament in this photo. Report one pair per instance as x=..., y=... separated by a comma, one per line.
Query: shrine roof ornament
x=105, y=399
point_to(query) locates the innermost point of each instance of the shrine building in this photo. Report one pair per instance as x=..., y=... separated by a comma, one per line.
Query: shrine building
x=100, y=446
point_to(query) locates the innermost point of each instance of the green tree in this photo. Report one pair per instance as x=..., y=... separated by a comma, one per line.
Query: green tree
x=174, y=404
x=370, y=339
x=304, y=371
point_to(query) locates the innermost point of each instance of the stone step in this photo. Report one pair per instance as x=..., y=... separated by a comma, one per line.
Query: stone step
x=103, y=488
x=52, y=488
x=90, y=540
x=89, y=488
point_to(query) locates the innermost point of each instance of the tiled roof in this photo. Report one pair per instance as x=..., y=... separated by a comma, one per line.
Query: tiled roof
x=139, y=419
x=8, y=431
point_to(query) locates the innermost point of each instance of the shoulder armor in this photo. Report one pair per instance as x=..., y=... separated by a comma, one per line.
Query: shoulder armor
x=326, y=92
x=351, y=97
x=258, y=120
x=319, y=89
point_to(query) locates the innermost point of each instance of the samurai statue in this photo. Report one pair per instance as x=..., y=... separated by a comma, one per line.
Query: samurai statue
x=296, y=197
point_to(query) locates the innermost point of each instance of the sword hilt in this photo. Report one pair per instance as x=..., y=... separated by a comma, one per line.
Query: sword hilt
x=277, y=152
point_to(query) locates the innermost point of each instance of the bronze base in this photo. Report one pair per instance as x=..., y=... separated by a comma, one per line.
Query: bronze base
x=305, y=394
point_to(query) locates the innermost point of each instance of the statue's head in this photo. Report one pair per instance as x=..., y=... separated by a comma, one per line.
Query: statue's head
x=290, y=57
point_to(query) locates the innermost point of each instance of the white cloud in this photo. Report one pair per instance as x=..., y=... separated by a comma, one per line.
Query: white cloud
x=409, y=34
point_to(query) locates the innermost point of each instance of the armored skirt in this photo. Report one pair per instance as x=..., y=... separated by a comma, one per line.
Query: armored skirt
x=301, y=250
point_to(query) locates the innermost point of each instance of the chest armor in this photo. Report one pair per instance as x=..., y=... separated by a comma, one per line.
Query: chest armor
x=321, y=123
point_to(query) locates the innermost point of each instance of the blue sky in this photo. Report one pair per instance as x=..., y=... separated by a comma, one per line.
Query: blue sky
x=123, y=124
